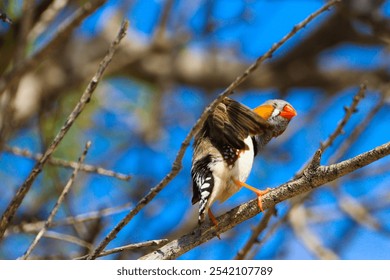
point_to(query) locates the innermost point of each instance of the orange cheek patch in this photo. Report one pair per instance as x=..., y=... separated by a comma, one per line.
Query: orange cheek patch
x=264, y=111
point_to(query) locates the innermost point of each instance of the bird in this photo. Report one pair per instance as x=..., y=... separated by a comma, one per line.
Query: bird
x=225, y=147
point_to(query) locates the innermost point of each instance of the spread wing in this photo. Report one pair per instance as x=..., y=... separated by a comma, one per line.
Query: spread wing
x=231, y=123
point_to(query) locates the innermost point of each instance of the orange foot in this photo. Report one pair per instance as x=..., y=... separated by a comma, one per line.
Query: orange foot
x=214, y=221
x=258, y=192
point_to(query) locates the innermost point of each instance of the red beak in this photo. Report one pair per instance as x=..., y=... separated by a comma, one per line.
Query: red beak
x=288, y=112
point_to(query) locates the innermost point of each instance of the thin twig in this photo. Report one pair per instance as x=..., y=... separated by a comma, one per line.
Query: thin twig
x=337, y=132
x=159, y=35
x=353, y=208
x=359, y=129
x=254, y=238
x=68, y=164
x=134, y=246
x=25, y=187
x=59, y=38
x=57, y=205
x=270, y=233
x=177, y=164
x=349, y=111
x=82, y=218
x=46, y=18
x=68, y=238
x=315, y=178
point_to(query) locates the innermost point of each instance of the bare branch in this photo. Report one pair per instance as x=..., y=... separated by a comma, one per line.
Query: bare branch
x=255, y=234
x=25, y=187
x=57, y=205
x=46, y=18
x=62, y=34
x=82, y=218
x=356, y=132
x=134, y=246
x=68, y=238
x=315, y=160
x=68, y=164
x=159, y=36
x=348, y=113
x=177, y=165
x=307, y=182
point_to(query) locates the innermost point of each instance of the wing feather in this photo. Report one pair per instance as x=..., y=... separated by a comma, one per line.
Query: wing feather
x=231, y=123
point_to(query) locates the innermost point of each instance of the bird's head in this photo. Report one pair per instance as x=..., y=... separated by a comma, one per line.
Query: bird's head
x=278, y=113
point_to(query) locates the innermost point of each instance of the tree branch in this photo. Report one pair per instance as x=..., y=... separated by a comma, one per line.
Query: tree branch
x=349, y=111
x=134, y=246
x=25, y=187
x=82, y=218
x=63, y=32
x=315, y=160
x=46, y=18
x=310, y=179
x=255, y=234
x=57, y=205
x=176, y=166
x=68, y=164
x=358, y=130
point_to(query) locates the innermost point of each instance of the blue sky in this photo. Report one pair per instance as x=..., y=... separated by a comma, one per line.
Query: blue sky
x=116, y=142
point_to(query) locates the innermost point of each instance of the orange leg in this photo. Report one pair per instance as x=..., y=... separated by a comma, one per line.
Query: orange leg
x=258, y=192
x=214, y=221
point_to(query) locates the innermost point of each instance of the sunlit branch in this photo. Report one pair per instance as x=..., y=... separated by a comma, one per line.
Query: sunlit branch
x=312, y=178
x=129, y=247
x=82, y=218
x=177, y=164
x=54, y=211
x=46, y=18
x=85, y=98
x=68, y=164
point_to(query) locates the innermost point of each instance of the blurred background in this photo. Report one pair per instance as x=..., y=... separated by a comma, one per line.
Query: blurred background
x=177, y=57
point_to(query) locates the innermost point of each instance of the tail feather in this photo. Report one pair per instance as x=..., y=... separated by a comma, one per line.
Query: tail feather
x=202, y=184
